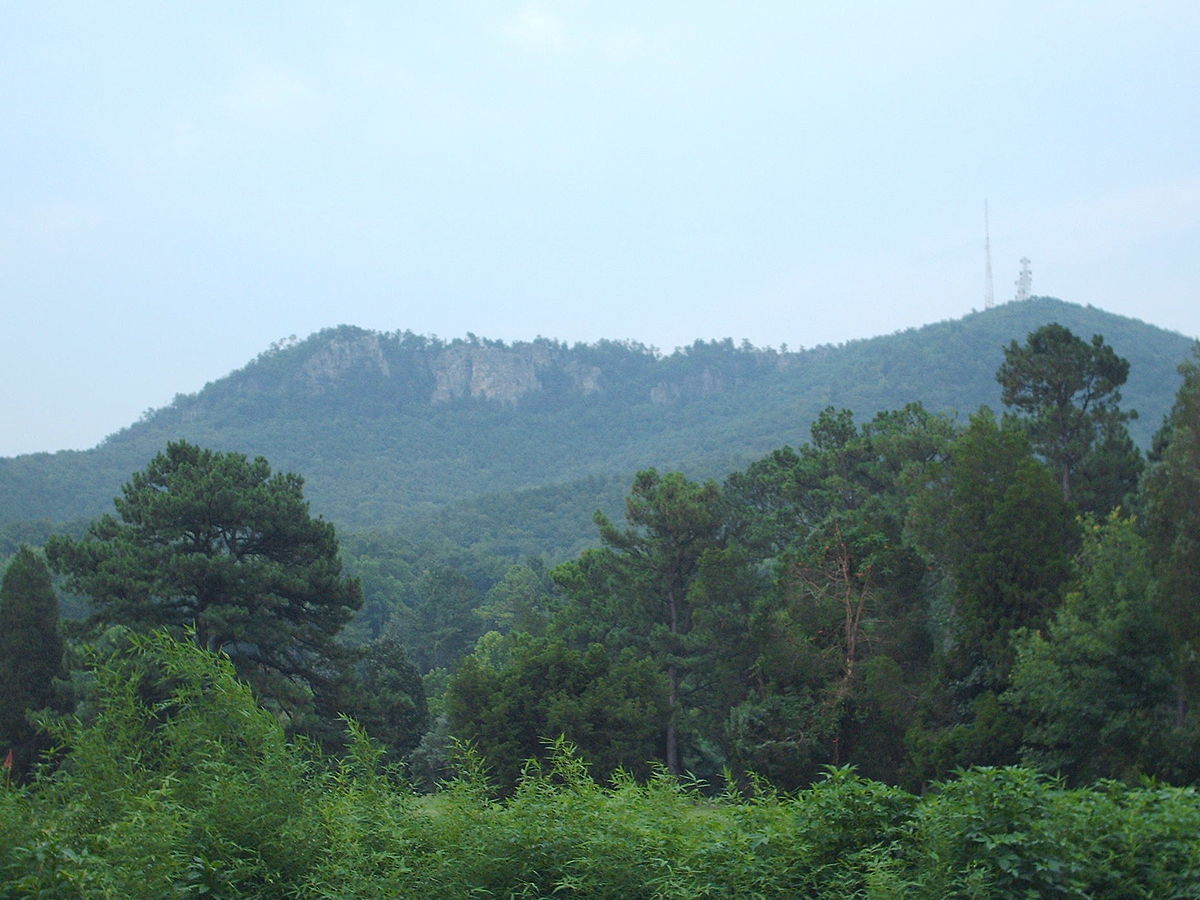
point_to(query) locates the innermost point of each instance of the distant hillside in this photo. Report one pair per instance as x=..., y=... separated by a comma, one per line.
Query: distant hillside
x=396, y=429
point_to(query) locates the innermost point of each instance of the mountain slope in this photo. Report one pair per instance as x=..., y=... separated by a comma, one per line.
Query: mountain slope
x=392, y=428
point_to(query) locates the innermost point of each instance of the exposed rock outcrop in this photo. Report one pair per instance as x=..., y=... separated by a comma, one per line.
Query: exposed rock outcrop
x=342, y=353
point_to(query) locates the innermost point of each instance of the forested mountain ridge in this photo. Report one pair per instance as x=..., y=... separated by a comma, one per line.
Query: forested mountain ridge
x=389, y=428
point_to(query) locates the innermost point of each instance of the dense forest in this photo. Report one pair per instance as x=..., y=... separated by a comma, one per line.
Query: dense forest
x=394, y=431
x=917, y=654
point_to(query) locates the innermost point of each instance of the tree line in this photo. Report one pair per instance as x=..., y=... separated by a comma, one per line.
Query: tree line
x=907, y=595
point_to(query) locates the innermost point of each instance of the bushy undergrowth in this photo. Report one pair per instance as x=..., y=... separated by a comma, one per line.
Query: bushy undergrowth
x=180, y=786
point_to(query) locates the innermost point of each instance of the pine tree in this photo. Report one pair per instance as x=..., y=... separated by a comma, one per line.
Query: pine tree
x=31, y=652
x=1069, y=391
x=671, y=586
x=1171, y=499
x=215, y=545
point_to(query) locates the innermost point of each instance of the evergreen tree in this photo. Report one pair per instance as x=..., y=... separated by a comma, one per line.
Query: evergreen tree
x=1069, y=391
x=842, y=641
x=610, y=703
x=31, y=651
x=383, y=692
x=442, y=624
x=1171, y=500
x=1093, y=687
x=1004, y=534
x=1000, y=533
x=216, y=544
x=672, y=585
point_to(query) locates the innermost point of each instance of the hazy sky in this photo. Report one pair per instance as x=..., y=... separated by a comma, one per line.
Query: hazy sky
x=186, y=182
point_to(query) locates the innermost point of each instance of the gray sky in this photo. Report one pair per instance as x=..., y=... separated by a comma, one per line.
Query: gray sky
x=185, y=183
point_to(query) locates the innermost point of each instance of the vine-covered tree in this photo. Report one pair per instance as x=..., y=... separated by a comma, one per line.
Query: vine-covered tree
x=216, y=544
x=1069, y=392
x=31, y=651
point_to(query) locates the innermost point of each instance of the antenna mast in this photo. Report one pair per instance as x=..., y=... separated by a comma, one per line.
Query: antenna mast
x=989, y=293
x=1024, y=280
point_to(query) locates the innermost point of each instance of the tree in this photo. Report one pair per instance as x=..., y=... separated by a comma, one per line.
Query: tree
x=519, y=600
x=998, y=526
x=998, y=529
x=442, y=625
x=1171, y=500
x=31, y=651
x=841, y=643
x=384, y=693
x=1094, y=687
x=609, y=703
x=215, y=545
x=662, y=586
x=1069, y=391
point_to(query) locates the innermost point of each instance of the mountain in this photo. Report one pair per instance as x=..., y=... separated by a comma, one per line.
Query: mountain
x=465, y=437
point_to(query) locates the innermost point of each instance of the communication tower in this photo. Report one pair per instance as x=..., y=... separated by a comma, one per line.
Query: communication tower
x=989, y=293
x=1024, y=280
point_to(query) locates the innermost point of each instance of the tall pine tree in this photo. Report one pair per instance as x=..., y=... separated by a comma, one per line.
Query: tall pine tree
x=31, y=652
x=1069, y=393
x=215, y=544
x=1171, y=500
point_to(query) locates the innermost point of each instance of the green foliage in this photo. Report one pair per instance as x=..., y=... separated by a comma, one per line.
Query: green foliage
x=31, y=654
x=1008, y=832
x=521, y=600
x=1171, y=500
x=353, y=410
x=215, y=543
x=158, y=796
x=997, y=523
x=841, y=640
x=1000, y=536
x=1094, y=688
x=671, y=586
x=383, y=692
x=179, y=784
x=1108, y=476
x=610, y=703
x=1069, y=391
x=442, y=624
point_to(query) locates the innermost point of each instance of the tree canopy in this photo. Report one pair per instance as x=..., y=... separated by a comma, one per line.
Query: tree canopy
x=1171, y=499
x=215, y=543
x=1069, y=391
x=31, y=651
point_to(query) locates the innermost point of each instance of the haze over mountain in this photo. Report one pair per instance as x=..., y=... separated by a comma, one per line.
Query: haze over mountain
x=393, y=429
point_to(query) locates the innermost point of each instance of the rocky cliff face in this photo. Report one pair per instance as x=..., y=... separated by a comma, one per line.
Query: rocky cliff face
x=504, y=374
x=342, y=353
x=403, y=370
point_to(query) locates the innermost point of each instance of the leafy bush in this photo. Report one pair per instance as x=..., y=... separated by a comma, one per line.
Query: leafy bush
x=179, y=785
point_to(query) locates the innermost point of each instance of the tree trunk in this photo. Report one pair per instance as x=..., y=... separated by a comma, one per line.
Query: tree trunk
x=672, y=747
